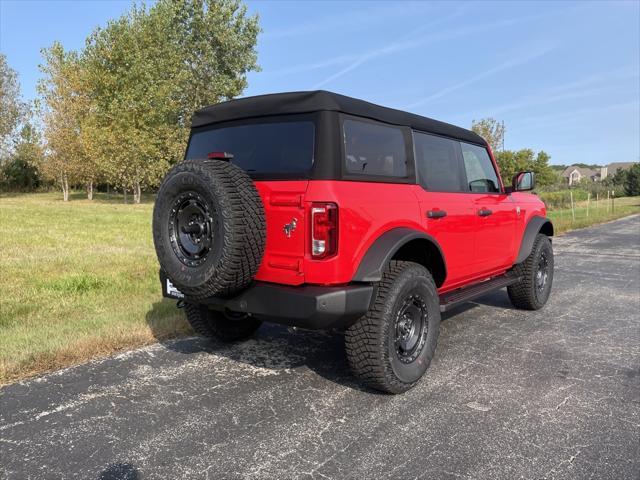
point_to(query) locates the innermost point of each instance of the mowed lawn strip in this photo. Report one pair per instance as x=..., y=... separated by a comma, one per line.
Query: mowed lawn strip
x=597, y=212
x=78, y=280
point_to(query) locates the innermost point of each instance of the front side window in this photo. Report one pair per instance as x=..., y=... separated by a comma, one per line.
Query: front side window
x=481, y=176
x=437, y=162
x=264, y=148
x=374, y=149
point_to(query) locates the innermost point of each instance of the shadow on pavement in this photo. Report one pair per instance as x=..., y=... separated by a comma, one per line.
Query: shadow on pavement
x=120, y=471
x=272, y=347
x=276, y=347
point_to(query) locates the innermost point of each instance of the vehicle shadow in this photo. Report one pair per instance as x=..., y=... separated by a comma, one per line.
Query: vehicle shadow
x=272, y=347
x=276, y=347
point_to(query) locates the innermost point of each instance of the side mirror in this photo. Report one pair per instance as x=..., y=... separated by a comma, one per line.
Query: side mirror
x=523, y=181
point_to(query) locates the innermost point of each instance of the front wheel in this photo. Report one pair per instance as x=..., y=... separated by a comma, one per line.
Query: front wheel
x=536, y=272
x=227, y=327
x=391, y=347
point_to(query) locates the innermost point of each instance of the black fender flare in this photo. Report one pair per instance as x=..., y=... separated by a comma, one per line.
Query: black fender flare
x=384, y=248
x=535, y=226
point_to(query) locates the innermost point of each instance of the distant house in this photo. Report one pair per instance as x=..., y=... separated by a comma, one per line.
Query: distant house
x=612, y=168
x=574, y=174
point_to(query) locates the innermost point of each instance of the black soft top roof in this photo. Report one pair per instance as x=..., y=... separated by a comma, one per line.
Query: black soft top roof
x=306, y=102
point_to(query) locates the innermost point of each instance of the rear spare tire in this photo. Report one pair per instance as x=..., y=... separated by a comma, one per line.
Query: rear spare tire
x=208, y=228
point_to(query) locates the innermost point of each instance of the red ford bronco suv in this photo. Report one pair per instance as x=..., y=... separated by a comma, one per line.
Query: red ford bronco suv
x=321, y=211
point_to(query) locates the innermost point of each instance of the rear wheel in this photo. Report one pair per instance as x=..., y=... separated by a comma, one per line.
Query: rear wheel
x=532, y=292
x=391, y=347
x=227, y=327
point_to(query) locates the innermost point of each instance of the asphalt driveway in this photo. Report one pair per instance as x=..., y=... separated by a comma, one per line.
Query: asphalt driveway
x=511, y=394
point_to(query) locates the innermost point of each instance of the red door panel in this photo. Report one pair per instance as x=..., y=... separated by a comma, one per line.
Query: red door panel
x=455, y=231
x=495, y=220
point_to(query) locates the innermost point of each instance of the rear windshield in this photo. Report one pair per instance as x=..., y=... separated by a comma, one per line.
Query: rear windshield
x=264, y=148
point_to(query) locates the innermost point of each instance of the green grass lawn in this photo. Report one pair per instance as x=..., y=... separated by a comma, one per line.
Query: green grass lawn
x=600, y=212
x=79, y=279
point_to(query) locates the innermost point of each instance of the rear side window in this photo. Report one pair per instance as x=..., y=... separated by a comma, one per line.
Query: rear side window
x=267, y=148
x=438, y=163
x=374, y=149
x=481, y=176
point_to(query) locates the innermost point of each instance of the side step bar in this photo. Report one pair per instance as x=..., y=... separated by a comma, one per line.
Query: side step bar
x=466, y=294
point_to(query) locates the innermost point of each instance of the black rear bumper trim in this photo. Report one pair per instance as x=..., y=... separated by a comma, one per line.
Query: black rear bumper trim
x=308, y=306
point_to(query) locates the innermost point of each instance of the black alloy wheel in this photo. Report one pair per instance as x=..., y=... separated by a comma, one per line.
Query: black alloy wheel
x=392, y=346
x=191, y=228
x=542, y=273
x=533, y=289
x=411, y=328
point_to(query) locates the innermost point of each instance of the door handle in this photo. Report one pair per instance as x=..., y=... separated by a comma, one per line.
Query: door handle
x=484, y=212
x=436, y=214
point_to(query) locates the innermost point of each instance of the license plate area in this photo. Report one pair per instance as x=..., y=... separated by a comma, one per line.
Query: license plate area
x=170, y=290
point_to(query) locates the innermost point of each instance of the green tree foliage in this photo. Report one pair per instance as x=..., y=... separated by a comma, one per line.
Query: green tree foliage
x=11, y=107
x=20, y=172
x=632, y=181
x=149, y=70
x=512, y=162
x=65, y=106
x=491, y=130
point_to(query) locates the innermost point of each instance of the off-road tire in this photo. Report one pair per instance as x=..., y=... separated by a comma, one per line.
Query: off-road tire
x=525, y=294
x=213, y=324
x=370, y=342
x=237, y=226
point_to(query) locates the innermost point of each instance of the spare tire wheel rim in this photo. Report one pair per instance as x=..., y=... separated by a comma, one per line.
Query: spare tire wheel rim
x=191, y=229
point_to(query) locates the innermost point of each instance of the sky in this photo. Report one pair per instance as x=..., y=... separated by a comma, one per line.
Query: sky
x=563, y=76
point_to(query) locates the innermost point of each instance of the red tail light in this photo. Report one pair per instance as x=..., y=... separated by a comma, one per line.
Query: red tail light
x=324, y=230
x=220, y=156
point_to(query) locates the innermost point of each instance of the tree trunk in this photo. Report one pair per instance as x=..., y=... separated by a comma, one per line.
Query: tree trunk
x=137, y=193
x=64, y=182
x=90, y=190
x=125, y=194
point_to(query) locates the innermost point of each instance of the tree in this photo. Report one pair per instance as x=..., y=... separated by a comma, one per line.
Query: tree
x=20, y=171
x=491, y=130
x=149, y=70
x=11, y=106
x=617, y=180
x=632, y=181
x=65, y=104
x=512, y=162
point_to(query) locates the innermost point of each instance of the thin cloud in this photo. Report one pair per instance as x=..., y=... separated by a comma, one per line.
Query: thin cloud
x=492, y=71
x=574, y=116
x=411, y=43
x=354, y=60
x=353, y=19
x=584, y=87
x=309, y=67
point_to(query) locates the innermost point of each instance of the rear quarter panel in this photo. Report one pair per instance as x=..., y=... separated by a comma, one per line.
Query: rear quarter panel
x=366, y=211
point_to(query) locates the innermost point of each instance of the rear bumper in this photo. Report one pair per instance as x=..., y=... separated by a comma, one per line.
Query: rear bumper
x=310, y=306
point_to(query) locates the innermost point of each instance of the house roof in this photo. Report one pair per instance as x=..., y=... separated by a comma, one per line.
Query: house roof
x=585, y=172
x=320, y=100
x=612, y=168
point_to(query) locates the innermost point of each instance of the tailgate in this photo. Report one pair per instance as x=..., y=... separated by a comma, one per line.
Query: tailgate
x=283, y=260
